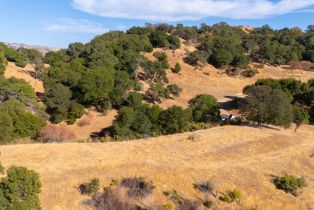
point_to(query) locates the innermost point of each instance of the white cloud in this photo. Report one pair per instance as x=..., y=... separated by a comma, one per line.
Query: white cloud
x=74, y=26
x=171, y=10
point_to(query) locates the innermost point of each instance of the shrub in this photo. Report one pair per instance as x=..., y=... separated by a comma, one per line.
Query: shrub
x=115, y=199
x=162, y=58
x=249, y=72
x=159, y=39
x=232, y=72
x=181, y=202
x=168, y=206
x=194, y=126
x=137, y=187
x=221, y=58
x=134, y=99
x=56, y=133
x=231, y=196
x=204, y=186
x=17, y=122
x=126, y=194
x=90, y=188
x=290, y=184
x=20, y=189
x=208, y=203
x=177, y=68
x=174, y=42
x=241, y=61
x=174, y=90
x=198, y=57
x=300, y=116
x=193, y=137
x=75, y=111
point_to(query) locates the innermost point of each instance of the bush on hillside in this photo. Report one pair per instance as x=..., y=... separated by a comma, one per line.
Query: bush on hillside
x=300, y=116
x=90, y=188
x=20, y=189
x=177, y=68
x=231, y=196
x=181, y=202
x=137, y=187
x=249, y=72
x=17, y=122
x=290, y=184
x=56, y=133
x=196, y=58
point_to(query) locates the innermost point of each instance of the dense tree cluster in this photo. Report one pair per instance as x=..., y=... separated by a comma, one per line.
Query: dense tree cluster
x=221, y=44
x=279, y=102
x=19, y=58
x=108, y=73
x=20, y=113
x=139, y=120
x=100, y=73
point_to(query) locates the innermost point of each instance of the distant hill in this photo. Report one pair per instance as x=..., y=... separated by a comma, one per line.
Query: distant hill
x=42, y=49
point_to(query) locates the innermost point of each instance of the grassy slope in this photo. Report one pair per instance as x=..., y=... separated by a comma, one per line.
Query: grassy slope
x=238, y=157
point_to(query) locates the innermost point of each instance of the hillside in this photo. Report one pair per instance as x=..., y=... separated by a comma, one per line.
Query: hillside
x=193, y=81
x=122, y=86
x=244, y=158
x=213, y=81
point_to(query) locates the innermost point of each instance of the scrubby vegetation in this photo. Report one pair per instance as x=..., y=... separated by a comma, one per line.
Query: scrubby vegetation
x=181, y=202
x=290, y=184
x=231, y=196
x=19, y=189
x=177, y=68
x=90, y=188
x=125, y=194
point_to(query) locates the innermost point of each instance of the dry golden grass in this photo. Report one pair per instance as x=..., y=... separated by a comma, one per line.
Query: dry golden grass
x=97, y=122
x=237, y=157
x=24, y=73
x=244, y=158
x=209, y=80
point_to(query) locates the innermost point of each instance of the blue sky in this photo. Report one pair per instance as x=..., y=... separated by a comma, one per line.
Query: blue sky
x=57, y=23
